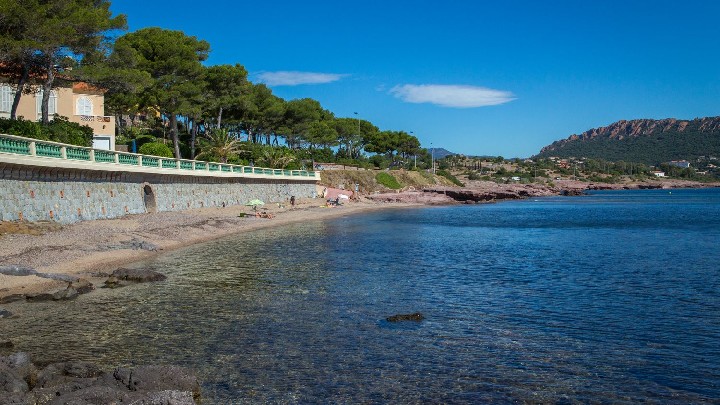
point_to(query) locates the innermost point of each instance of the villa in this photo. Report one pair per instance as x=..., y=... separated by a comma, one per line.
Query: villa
x=79, y=102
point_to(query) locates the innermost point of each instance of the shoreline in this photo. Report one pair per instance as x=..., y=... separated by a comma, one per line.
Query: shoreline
x=92, y=249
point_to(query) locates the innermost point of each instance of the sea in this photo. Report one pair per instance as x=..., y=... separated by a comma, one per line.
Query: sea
x=611, y=297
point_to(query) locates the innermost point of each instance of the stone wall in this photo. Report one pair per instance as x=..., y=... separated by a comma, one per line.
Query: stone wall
x=68, y=195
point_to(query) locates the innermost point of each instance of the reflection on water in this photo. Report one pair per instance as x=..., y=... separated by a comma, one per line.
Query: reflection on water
x=609, y=298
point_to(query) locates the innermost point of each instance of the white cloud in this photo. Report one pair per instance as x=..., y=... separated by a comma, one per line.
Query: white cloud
x=451, y=95
x=290, y=78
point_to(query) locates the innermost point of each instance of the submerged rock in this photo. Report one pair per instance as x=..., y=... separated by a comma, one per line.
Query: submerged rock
x=416, y=317
x=5, y=314
x=137, y=275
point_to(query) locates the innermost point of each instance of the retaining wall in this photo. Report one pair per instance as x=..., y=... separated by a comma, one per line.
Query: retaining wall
x=69, y=195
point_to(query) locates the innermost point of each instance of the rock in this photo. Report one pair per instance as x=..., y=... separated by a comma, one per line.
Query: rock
x=11, y=382
x=5, y=314
x=137, y=275
x=84, y=383
x=40, y=297
x=18, y=365
x=82, y=286
x=61, y=373
x=12, y=298
x=416, y=317
x=7, y=344
x=159, y=378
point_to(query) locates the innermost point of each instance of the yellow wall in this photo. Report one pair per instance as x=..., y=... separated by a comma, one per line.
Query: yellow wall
x=67, y=99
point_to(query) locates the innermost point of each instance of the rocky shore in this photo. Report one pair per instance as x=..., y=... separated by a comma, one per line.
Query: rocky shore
x=78, y=382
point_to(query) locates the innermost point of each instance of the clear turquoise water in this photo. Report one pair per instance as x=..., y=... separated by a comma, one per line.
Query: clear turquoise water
x=612, y=297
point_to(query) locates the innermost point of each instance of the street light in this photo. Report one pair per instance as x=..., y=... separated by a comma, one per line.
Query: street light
x=358, y=120
x=432, y=157
x=414, y=164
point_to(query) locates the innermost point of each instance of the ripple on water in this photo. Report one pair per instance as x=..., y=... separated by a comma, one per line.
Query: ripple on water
x=609, y=298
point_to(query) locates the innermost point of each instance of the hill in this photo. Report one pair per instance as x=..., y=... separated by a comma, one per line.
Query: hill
x=440, y=153
x=644, y=141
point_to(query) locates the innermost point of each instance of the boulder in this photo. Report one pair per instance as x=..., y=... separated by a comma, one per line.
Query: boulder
x=80, y=382
x=5, y=314
x=11, y=382
x=416, y=317
x=61, y=373
x=137, y=275
x=17, y=372
x=6, y=344
x=159, y=378
x=12, y=298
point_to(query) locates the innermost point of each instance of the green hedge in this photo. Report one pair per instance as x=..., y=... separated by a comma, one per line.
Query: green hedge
x=156, y=149
x=388, y=181
x=58, y=130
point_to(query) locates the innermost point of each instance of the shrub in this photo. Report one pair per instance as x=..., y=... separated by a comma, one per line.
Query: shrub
x=58, y=130
x=450, y=177
x=156, y=149
x=388, y=181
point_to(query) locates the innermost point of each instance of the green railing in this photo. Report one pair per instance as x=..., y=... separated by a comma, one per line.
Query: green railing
x=125, y=159
x=15, y=145
x=104, y=156
x=46, y=150
x=148, y=161
x=77, y=154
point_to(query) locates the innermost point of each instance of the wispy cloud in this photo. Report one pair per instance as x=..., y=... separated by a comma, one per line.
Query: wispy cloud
x=459, y=96
x=291, y=78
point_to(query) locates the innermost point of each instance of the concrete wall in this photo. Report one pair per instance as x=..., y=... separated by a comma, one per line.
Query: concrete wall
x=70, y=195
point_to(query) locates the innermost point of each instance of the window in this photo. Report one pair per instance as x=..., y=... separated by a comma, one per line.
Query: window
x=7, y=95
x=52, y=103
x=84, y=106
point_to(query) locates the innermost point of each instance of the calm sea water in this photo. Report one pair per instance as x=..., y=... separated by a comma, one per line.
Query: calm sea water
x=612, y=297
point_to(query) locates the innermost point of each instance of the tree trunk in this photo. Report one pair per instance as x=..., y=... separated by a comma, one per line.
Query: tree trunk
x=193, y=137
x=47, y=88
x=174, y=132
x=219, y=118
x=19, y=91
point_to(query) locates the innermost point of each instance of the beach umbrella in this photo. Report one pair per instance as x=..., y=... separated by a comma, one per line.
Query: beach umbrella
x=254, y=203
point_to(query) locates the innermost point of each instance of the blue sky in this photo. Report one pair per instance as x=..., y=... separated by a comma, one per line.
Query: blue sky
x=474, y=77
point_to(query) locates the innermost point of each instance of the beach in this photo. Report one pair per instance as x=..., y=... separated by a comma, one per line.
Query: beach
x=93, y=249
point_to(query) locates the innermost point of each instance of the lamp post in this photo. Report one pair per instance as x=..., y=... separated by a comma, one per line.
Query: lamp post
x=358, y=121
x=432, y=157
x=415, y=156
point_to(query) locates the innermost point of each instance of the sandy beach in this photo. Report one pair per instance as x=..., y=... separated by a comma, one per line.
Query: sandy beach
x=93, y=249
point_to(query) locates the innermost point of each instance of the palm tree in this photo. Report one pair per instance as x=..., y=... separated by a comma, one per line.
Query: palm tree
x=276, y=158
x=218, y=143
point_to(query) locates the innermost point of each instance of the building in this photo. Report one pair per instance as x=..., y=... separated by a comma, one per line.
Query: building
x=79, y=102
x=658, y=173
x=680, y=163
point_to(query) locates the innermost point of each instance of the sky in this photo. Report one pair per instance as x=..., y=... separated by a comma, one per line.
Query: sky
x=472, y=76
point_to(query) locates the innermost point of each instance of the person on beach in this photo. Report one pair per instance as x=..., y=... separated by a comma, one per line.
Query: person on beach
x=292, y=201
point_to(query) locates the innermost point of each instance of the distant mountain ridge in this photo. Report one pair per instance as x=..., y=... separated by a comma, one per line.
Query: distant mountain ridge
x=643, y=140
x=440, y=153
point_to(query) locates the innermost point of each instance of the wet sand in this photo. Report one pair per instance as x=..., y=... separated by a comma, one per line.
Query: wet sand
x=92, y=249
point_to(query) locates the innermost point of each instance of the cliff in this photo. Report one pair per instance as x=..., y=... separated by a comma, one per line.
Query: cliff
x=643, y=140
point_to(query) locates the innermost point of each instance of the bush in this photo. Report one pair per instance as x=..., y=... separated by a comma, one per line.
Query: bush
x=450, y=177
x=58, y=130
x=156, y=149
x=388, y=181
